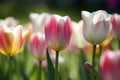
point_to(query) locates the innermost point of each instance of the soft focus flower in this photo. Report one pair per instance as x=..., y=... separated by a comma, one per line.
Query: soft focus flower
x=12, y=39
x=58, y=32
x=38, y=46
x=110, y=65
x=9, y=21
x=39, y=21
x=77, y=39
x=77, y=34
x=95, y=26
x=30, y=28
x=115, y=21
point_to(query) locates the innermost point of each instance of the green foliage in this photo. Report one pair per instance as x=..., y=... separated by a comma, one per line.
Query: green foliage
x=50, y=67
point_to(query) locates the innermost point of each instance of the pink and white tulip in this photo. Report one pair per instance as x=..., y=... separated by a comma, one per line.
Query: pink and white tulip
x=58, y=32
x=38, y=46
x=95, y=26
x=115, y=22
x=110, y=65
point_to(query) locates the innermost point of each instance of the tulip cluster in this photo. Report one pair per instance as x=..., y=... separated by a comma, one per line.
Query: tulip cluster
x=51, y=34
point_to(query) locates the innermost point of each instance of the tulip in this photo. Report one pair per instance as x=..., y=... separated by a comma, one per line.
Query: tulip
x=58, y=33
x=38, y=46
x=95, y=30
x=110, y=65
x=95, y=26
x=12, y=39
x=39, y=21
x=115, y=21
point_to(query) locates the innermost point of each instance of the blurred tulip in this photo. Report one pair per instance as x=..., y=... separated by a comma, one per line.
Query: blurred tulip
x=38, y=46
x=95, y=26
x=110, y=65
x=77, y=34
x=9, y=21
x=58, y=32
x=30, y=28
x=39, y=21
x=115, y=21
x=12, y=39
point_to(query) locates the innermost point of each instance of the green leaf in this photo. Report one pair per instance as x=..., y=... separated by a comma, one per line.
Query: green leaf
x=83, y=73
x=50, y=67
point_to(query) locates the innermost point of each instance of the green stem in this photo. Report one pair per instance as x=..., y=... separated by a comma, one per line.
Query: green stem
x=93, y=62
x=98, y=75
x=56, y=65
x=10, y=68
x=18, y=68
x=119, y=43
x=39, y=70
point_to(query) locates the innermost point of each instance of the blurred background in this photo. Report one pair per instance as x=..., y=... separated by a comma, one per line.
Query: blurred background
x=20, y=9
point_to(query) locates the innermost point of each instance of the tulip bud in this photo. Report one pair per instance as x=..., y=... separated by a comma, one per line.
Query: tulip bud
x=38, y=46
x=58, y=32
x=110, y=65
x=88, y=68
x=95, y=26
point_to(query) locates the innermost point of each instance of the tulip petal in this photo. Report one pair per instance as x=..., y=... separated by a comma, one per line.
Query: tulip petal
x=51, y=32
x=67, y=31
x=6, y=42
x=17, y=32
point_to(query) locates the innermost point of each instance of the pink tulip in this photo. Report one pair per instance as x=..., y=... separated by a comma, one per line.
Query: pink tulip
x=38, y=46
x=110, y=65
x=58, y=32
x=115, y=21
